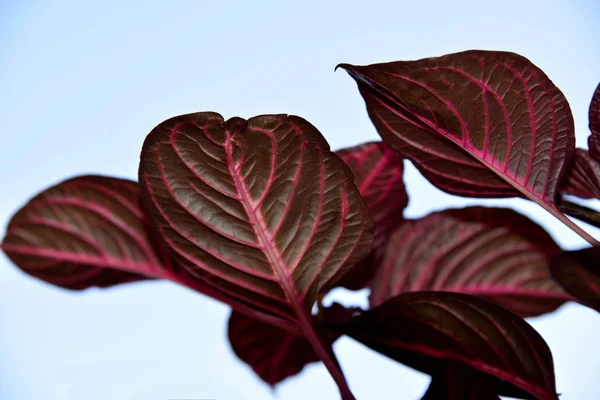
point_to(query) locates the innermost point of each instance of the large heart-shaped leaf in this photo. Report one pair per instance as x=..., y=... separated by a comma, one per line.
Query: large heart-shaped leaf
x=378, y=174
x=260, y=209
x=490, y=252
x=91, y=231
x=594, y=117
x=421, y=329
x=579, y=273
x=86, y=231
x=476, y=123
x=459, y=383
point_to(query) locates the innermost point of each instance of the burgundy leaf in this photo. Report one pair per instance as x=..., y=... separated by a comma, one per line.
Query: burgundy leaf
x=378, y=174
x=421, y=329
x=489, y=252
x=583, y=178
x=261, y=210
x=594, y=116
x=86, y=231
x=579, y=273
x=579, y=211
x=459, y=383
x=275, y=354
x=476, y=123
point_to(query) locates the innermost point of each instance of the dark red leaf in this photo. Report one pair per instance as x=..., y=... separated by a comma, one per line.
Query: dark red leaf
x=594, y=116
x=476, y=123
x=84, y=232
x=261, y=210
x=419, y=329
x=275, y=354
x=583, y=178
x=579, y=273
x=459, y=383
x=378, y=174
x=489, y=252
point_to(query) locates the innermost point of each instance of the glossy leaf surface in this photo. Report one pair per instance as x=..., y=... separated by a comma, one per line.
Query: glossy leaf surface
x=378, y=172
x=84, y=232
x=579, y=273
x=420, y=329
x=476, y=123
x=489, y=252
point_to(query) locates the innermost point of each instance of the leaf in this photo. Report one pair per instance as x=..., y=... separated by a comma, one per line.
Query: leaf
x=86, y=231
x=579, y=273
x=378, y=174
x=476, y=123
x=275, y=354
x=594, y=117
x=579, y=211
x=261, y=210
x=421, y=329
x=489, y=252
x=459, y=383
x=583, y=178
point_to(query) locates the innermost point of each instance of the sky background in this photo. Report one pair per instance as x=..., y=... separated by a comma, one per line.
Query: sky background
x=82, y=83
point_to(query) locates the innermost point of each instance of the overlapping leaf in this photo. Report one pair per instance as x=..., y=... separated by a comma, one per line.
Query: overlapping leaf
x=378, y=174
x=260, y=209
x=275, y=354
x=490, y=252
x=419, y=329
x=583, y=177
x=594, y=117
x=476, y=123
x=579, y=273
x=83, y=232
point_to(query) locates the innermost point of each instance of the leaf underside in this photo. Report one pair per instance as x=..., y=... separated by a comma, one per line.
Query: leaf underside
x=489, y=252
x=594, y=123
x=421, y=328
x=583, y=178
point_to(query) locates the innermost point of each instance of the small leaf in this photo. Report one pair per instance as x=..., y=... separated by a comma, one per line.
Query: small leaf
x=583, y=178
x=419, y=329
x=476, y=123
x=275, y=354
x=86, y=231
x=459, y=383
x=489, y=252
x=579, y=273
x=261, y=210
x=378, y=174
x=594, y=117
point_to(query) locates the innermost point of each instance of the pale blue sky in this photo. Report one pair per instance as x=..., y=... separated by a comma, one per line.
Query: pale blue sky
x=82, y=83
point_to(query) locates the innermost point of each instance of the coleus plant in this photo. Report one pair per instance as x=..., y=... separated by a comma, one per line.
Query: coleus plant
x=262, y=215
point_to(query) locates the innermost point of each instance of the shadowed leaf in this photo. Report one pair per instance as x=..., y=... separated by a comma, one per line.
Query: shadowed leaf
x=583, y=177
x=275, y=354
x=476, y=123
x=579, y=273
x=489, y=252
x=459, y=383
x=378, y=174
x=419, y=329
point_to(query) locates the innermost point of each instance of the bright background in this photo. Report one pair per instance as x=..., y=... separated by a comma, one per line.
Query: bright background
x=82, y=83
